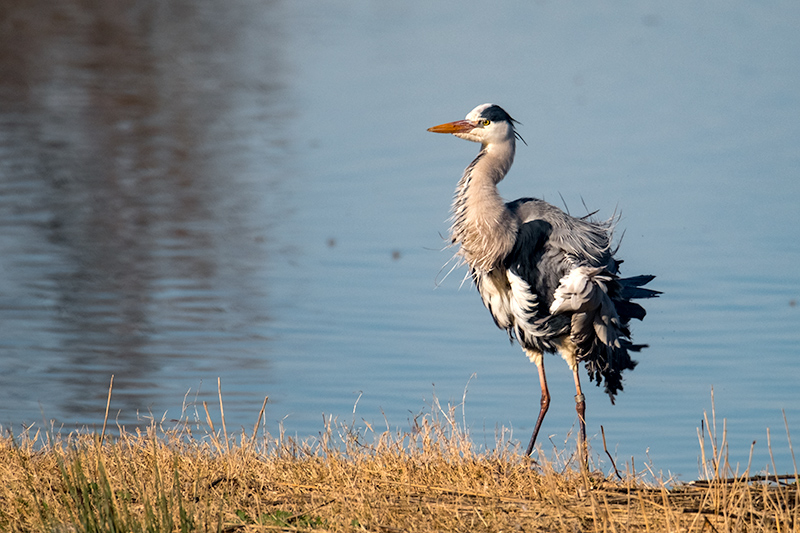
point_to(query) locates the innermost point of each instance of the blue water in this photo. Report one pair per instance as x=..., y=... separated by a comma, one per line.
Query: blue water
x=246, y=191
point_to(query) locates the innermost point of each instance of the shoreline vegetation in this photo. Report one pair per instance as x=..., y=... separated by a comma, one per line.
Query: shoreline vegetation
x=428, y=478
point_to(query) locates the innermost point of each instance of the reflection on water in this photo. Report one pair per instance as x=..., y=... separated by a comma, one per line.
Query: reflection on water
x=130, y=208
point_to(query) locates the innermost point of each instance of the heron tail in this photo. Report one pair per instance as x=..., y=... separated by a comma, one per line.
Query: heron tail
x=601, y=308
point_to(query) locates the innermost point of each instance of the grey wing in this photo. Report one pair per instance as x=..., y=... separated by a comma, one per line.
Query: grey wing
x=587, y=293
x=582, y=241
x=534, y=268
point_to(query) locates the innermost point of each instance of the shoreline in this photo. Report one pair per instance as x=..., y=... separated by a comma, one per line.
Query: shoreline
x=430, y=478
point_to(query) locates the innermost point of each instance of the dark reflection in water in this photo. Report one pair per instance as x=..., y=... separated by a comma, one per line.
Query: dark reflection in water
x=133, y=238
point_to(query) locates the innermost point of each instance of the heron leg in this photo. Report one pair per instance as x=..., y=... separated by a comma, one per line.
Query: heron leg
x=544, y=404
x=580, y=407
x=568, y=351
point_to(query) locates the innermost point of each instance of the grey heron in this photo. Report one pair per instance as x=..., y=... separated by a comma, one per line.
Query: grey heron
x=549, y=279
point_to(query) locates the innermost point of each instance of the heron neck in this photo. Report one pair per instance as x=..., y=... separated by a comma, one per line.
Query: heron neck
x=482, y=225
x=497, y=160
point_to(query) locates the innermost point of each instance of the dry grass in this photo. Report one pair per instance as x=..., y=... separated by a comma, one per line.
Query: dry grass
x=427, y=479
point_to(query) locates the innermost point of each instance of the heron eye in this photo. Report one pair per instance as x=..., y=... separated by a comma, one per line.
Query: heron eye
x=486, y=122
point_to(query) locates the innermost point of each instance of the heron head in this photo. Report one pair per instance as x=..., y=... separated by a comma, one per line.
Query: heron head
x=486, y=124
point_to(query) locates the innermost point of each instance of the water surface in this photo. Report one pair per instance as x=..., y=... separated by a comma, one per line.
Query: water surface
x=246, y=191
